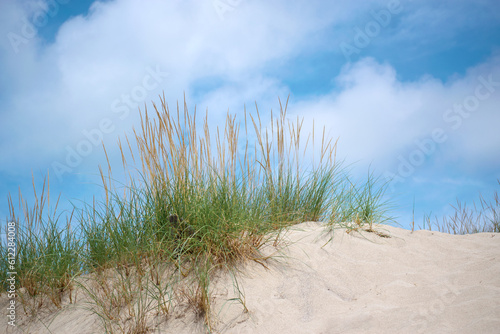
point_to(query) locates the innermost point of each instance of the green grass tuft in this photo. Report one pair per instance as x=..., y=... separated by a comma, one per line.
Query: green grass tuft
x=196, y=203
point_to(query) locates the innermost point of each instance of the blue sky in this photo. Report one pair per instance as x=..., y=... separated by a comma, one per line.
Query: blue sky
x=411, y=88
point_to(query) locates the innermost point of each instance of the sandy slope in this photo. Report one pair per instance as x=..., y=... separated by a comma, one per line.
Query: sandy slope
x=420, y=282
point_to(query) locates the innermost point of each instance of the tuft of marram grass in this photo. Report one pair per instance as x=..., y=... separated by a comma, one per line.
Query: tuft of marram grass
x=484, y=217
x=46, y=253
x=357, y=205
x=196, y=202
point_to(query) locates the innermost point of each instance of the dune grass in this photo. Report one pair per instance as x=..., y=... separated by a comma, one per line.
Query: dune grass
x=467, y=219
x=356, y=206
x=196, y=203
x=46, y=254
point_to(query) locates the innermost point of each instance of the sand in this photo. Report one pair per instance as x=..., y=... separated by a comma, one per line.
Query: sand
x=412, y=282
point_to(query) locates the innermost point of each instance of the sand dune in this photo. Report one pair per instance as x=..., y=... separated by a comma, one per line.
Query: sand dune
x=420, y=282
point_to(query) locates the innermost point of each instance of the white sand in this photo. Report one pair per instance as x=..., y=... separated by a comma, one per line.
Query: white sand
x=420, y=282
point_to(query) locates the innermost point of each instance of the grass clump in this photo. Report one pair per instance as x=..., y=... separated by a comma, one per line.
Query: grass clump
x=356, y=206
x=46, y=253
x=195, y=203
x=484, y=217
x=200, y=204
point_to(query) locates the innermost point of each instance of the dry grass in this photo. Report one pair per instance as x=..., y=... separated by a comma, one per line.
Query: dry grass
x=197, y=203
x=484, y=217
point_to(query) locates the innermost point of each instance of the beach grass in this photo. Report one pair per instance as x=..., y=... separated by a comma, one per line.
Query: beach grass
x=469, y=218
x=358, y=205
x=197, y=202
x=46, y=252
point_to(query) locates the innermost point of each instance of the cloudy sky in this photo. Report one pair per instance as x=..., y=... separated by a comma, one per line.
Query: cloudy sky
x=411, y=88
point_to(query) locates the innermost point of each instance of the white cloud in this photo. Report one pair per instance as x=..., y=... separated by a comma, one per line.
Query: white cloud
x=69, y=86
x=379, y=117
